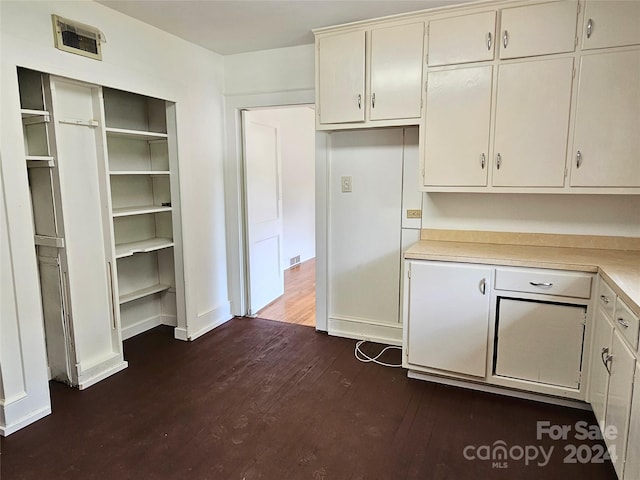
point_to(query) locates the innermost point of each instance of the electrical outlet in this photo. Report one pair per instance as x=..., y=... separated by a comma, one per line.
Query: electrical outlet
x=414, y=213
x=294, y=260
x=346, y=183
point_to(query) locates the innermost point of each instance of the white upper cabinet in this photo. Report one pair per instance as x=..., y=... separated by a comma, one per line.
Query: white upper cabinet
x=341, y=81
x=396, y=71
x=532, y=123
x=458, y=113
x=468, y=38
x=607, y=140
x=611, y=24
x=538, y=29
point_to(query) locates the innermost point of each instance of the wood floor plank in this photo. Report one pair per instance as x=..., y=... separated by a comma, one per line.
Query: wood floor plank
x=258, y=399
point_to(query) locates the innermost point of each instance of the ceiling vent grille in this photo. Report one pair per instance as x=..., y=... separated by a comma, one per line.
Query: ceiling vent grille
x=74, y=37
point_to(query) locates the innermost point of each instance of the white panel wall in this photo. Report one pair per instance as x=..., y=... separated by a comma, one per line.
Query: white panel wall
x=277, y=70
x=138, y=58
x=616, y=215
x=297, y=149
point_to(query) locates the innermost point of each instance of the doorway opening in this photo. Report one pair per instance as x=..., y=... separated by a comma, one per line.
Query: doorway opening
x=279, y=214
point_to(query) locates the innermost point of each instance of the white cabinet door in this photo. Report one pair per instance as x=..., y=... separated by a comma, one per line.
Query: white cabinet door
x=396, y=71
x=540, y=342
x=458, y=113
x=341, y=71
x=532, y=122
x=632, y=463
x=448, y=316
x=538, y=29
x=606, y=141
x=611, y=23
x=468, y=38
x=623, y=365
x=598, y=373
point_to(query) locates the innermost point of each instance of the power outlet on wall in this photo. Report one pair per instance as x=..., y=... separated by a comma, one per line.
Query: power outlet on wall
x=347, y=184
x=294, y=260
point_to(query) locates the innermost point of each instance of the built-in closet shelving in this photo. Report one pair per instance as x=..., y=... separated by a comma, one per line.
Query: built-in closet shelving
x=143, y=189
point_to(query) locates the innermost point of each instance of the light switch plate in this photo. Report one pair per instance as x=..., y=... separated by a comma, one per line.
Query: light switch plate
x=414, y=213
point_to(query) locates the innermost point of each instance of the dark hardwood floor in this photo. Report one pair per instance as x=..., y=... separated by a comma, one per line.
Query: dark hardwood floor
x=257, y=399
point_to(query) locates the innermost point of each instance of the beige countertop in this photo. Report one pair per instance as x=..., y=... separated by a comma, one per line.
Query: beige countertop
x=620, y=268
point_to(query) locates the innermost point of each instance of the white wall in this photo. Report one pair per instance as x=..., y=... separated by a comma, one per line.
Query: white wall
x=138, y=58
x=616, y=215
x=297, y=151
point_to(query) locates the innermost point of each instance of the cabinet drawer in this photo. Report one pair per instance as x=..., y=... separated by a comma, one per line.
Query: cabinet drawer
x=626, y=323
x=606, y=298
x=547, y=282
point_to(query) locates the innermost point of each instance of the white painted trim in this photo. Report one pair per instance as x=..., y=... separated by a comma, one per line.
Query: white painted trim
x=233, y=179
x=6, y=430
x=359, y=329
x=141, y=326
x=101, y=373
x=180, y=333
x=322, y=239
x=205, y=322
x=499, y=391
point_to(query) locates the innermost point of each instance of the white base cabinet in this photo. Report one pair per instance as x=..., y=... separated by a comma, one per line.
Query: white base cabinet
x=448, y=316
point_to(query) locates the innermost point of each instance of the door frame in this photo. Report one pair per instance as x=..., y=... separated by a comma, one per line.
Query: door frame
x=235, y=197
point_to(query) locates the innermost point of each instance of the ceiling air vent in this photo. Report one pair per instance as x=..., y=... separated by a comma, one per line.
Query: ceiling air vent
x=77, y=38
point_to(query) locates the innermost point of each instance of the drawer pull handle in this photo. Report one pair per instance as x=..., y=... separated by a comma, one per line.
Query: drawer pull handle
x=623, y=322
x=606, y=359
x=605, y=299
x=589, y=28
x=489, y=41
x=483, y=286
x=359, y=102
x=541, y=284
x=505, y=38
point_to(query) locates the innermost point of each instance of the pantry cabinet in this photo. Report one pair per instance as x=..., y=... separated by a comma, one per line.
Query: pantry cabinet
x=458, y=107
x=448, y=316
x=463, y=39
x=385, y=86
x=540, y=29
x=606, y=140
x=610, y=23
x=532, y=123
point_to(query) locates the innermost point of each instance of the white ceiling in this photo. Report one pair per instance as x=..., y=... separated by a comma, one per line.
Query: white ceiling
x=237, y=26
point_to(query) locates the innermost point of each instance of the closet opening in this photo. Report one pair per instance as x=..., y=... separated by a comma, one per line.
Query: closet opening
x=279, y=215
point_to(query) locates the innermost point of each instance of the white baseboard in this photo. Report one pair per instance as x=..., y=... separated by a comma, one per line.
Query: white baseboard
x=6, y=430
x=205, y=322
x=358, y=329
x=101, y=371
x=142, y=326
x=538, y=397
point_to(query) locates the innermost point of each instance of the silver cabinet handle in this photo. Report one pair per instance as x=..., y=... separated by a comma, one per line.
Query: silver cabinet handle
x=605, y=299
x=483, y=160
x=359, y=102
x=505, y=38
x=578, y=159
x=541, y=284
x=623, y=322
x=373, y=100
x=483, y=286
x=589, y=28
x=498, y=161
x=606, y=359
x=489, y=41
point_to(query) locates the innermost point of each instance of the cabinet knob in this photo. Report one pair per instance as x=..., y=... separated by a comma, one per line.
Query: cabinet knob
x=483, y=286
x=359, y=101
x=498, y=161
x=623, y=322
x=589, y=28
x=605, y=299
x=505, y=38
x=578, y=159
x=489, y=41
x=483, y=160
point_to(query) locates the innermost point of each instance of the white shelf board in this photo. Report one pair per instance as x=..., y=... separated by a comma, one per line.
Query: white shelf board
x=34, y=161
x=27, y=113
x=143, y=292
x=136, y=134
x=139, y=210
x=139, y=172
x=142, y=246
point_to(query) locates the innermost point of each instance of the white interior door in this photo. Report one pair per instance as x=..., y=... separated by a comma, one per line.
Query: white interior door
x=263, y=211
